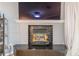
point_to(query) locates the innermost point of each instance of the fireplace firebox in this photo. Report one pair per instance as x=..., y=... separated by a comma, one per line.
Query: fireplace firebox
x=40, y=36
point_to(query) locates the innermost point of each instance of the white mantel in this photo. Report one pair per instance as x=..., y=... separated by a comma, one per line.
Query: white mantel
x=34, y=22
x=58, y=30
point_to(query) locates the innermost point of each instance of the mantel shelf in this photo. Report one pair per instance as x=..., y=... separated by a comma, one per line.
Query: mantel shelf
x=41, y=21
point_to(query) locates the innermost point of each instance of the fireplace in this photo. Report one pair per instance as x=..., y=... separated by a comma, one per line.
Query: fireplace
x=40, y=36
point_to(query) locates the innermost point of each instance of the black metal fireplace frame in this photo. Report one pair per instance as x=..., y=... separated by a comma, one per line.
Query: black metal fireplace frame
x=51, y=43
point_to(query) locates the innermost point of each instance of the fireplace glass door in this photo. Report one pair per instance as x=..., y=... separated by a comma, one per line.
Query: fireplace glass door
x=40, y=36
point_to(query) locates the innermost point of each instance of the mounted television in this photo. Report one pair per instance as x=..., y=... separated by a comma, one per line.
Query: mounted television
x=39, y=10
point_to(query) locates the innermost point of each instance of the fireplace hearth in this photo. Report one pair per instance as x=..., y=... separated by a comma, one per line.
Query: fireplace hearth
x=40, y=37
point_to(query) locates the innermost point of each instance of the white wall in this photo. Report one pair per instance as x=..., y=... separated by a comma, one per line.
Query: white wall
x=58, y=31
x=10, y=11
x=18, y=31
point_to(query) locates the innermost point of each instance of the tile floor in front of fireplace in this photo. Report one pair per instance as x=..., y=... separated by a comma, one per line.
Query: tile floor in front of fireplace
x=60, y=48
x=57, y=47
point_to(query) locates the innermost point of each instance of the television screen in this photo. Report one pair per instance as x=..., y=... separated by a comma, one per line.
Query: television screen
x=39, y=10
